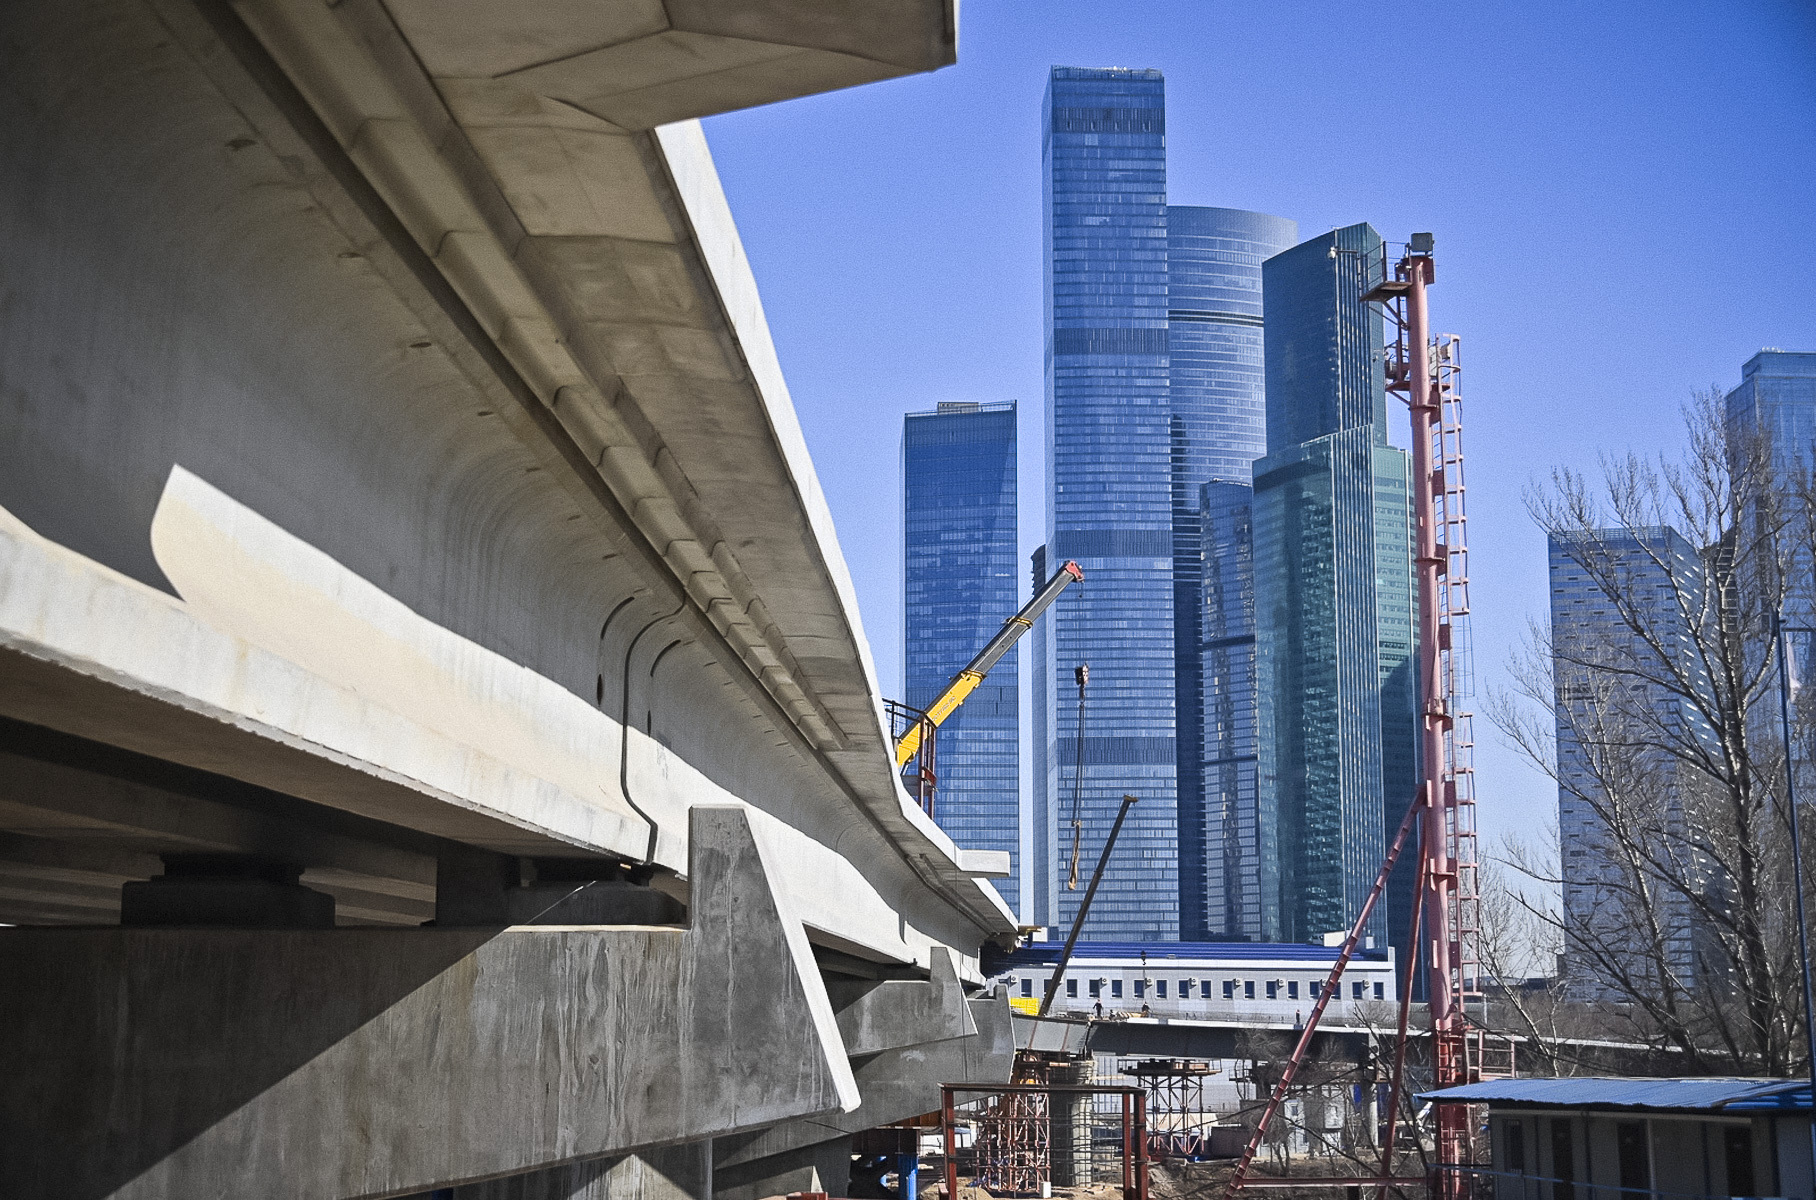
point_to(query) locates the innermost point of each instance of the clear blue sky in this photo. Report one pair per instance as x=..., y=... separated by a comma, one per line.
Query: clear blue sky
x=1623, y=198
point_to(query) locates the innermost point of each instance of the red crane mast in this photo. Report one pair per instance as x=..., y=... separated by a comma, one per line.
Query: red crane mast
x=1424, y=371
x=1449, y=898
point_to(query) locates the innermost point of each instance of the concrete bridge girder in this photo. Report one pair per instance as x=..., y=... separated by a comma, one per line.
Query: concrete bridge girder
x=604, y=254
x=877, y=1015
x=177, y=688
x=489, y=310
x=1141, y=1039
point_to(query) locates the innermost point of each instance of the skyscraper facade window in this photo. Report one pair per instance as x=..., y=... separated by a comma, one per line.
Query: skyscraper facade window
x=1620, y=789
x=960, y=575
x=1217, y=427
x=1235, y=907
x=1334, y=618
x=1103, y=144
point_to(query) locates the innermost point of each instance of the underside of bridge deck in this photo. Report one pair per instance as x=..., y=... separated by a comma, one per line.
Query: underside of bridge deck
x=438, y=744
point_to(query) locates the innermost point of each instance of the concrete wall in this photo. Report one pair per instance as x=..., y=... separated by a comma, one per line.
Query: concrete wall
x=669, y=1173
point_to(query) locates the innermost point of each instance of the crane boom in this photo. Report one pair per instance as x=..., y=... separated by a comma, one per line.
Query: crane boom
x=967, y=680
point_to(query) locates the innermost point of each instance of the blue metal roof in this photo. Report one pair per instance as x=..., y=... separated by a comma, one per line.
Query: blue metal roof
x=1727, y=1095
x=1158, y=952
x=1792, y=1098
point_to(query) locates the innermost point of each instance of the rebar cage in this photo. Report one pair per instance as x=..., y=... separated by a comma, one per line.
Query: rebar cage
x=1035, y=1139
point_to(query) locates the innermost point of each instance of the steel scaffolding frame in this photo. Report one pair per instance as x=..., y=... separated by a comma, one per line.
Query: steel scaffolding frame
x=1002, y=1137
x=1177, y=1112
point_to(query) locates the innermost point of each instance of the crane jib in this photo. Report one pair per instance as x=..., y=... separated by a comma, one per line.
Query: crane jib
x=967, y=680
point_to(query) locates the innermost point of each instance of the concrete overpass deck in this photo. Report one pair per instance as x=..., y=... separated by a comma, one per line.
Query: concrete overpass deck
x=401, y=503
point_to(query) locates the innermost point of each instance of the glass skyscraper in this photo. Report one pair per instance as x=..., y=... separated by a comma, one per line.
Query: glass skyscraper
x=1777, y=398
x=959, y=571
x=1109, y=456
x=1777, y=394
x=1217, y=427
x=1336, y=736
x=1623, y=764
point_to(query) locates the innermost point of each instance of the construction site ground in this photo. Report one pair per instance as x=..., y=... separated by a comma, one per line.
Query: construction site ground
x=1180, y=1180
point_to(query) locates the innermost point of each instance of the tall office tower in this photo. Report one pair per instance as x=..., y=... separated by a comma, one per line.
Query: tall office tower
x=1333, y=598
x=959, y=584
x=1609, y=755
x=1103, y=145
x=1777, y=397
x=1217, y=428
x=1777, y=393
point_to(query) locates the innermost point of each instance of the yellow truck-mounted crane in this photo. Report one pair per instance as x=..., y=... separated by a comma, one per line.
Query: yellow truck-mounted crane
x=967, y=680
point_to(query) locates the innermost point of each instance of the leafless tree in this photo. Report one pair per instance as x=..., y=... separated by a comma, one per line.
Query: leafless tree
x=1655, y=711
x=1520, y=946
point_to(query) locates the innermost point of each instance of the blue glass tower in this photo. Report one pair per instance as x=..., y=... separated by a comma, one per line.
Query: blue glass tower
x=1776, y=399
x=1217, y=428
x=1333, y=597
x=959, y=585
x=1103, y=145
x=1777, y=395
x=1609, y=753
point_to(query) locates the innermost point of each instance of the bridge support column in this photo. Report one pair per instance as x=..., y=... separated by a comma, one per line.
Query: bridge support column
x=1070, y=1116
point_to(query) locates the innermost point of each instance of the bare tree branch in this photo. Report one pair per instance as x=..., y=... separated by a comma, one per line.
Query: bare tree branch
x=1651, y=700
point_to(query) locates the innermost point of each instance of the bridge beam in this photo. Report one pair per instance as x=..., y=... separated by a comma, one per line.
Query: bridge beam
x=884, y=1014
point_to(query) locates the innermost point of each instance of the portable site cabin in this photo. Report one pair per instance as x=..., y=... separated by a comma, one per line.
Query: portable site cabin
x=1656, y=1139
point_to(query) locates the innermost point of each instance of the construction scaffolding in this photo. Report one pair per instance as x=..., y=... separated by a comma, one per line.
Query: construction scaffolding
x=1035, y=1139
x=1179, y=1117
x=1450, y=522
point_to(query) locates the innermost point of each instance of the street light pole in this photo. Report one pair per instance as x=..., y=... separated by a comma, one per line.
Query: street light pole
x=1790, y=788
